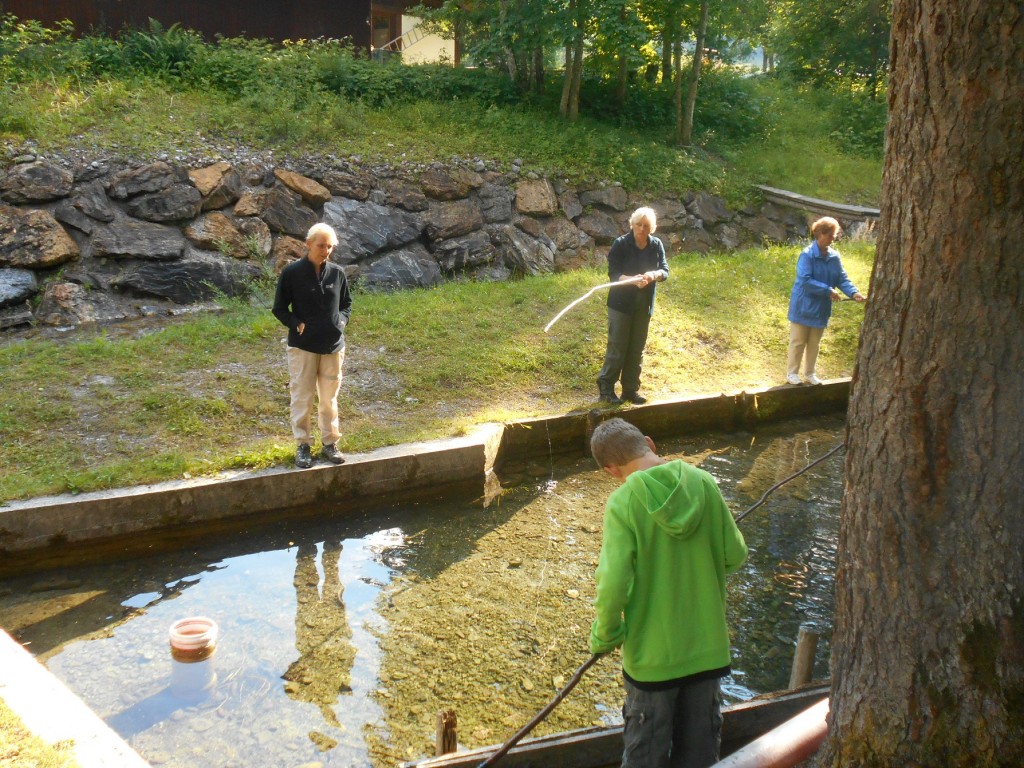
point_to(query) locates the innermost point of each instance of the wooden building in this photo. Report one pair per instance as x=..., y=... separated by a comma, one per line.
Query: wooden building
x=365, y=22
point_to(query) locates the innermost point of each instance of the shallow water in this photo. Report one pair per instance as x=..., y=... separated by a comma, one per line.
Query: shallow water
x=341, y=640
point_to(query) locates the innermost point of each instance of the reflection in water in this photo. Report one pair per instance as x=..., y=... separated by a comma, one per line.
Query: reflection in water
x=455, y=605
x=322, y=635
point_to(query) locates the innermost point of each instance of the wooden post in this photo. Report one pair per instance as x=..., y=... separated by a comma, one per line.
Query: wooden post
x=803, y=659
x=447, y=739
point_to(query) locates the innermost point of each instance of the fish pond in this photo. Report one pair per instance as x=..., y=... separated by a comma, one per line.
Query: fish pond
x=341, y=639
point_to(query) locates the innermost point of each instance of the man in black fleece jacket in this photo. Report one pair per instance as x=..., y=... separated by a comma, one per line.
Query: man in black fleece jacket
x=313, y=301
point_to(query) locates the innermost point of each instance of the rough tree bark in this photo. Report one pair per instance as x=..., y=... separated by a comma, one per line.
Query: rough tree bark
x=928, y=652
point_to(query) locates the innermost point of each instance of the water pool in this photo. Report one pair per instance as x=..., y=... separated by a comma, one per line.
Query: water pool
x=341, y=639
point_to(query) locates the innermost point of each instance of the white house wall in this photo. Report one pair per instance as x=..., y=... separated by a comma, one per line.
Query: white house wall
x=427, y=50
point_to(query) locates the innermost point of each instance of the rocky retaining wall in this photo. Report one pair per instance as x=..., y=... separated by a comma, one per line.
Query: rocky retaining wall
x=99, y=241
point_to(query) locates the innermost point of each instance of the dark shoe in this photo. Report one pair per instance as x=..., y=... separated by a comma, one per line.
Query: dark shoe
x=612, y=399
x=303, y=457
x=332, y=454
x=634, y=398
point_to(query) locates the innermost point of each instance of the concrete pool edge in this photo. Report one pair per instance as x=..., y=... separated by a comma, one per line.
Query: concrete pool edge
x=54, y=714
x=32, y=529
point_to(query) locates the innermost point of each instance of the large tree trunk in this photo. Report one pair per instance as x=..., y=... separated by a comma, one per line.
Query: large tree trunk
x=684, y=121
x=928, y=652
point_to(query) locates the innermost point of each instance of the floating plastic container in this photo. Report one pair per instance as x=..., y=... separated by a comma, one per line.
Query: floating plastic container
x=193, y=642
x=193, y=639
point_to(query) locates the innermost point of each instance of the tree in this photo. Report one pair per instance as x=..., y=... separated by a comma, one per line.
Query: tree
x=928, y=652
x=509, y=35
x=827, y=42
x=569, y=107
x=684, y=117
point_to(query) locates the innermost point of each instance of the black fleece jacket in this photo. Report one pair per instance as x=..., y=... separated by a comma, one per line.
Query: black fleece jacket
x=323, y=304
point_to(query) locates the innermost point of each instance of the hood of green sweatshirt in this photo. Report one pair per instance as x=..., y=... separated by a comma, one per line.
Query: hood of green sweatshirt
x=671, y=482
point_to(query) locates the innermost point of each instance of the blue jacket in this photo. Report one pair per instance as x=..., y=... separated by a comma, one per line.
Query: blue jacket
x=817, y=274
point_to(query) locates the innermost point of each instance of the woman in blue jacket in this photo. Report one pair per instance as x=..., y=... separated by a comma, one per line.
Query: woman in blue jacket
x=819, y=279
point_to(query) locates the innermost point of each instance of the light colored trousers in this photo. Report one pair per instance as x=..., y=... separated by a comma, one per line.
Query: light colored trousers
x=320, y=375
x=803, y=343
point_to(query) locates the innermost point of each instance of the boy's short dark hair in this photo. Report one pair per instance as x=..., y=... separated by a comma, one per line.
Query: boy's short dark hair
x=616, y=442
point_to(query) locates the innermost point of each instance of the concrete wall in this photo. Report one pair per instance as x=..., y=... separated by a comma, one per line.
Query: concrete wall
x=50, y=531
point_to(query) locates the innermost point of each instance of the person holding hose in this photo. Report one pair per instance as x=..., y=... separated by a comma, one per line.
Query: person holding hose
x=637, y=259
x=819, y=279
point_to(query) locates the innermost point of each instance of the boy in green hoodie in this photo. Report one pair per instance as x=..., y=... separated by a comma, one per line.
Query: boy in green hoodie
x=669, y=540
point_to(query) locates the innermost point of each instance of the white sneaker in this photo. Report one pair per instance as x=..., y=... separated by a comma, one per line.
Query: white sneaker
x=813, y=379
x=793, y=379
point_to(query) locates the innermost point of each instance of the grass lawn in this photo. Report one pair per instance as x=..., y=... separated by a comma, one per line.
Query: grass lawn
x=104, y=408
x=20, y=749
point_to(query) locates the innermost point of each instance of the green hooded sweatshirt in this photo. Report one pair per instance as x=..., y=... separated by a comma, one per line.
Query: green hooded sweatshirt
x=669, y=540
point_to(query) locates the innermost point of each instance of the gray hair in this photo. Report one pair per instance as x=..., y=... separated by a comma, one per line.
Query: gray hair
x=645, y=213
x=616, y=442
x=322, y=229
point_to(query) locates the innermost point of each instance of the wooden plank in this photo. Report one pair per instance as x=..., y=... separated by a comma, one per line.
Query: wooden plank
x=748, y=720
x=814, y=205
x=595, y=747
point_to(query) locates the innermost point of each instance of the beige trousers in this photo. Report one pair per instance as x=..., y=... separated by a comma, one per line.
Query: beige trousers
x=312, y=374
x=803, y=343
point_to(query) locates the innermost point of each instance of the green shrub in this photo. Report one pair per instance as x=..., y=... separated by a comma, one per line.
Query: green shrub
x=857, y=123
x=728, y=107
x=29, y=50
x=158, y=51
x=234, y=65
x=18, y=115
x=101, y=55
x=358, y=79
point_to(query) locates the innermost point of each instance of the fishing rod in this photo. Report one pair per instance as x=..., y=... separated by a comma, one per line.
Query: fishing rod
x=578, y=674
x=791, y=477
x=588, y=294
